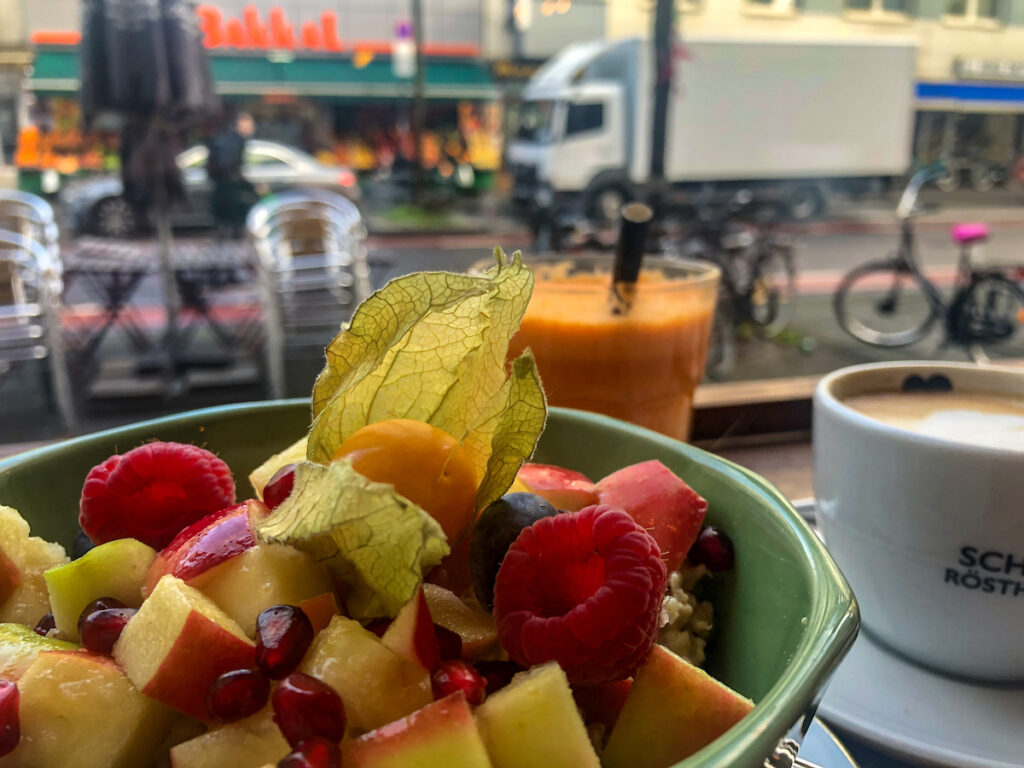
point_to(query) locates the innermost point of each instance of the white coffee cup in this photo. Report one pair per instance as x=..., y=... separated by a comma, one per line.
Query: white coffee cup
x=928, y=531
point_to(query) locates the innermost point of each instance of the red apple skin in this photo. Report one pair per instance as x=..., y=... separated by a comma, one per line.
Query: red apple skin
x=660, y=502
x=412, y=634
x=10, y=577
x=564, y=489
x=207, y=543
x=207, y=651
x=602, y=703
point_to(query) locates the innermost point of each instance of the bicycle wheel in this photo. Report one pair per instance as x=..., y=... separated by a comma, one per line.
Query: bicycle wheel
x=987, y=318
x=883, y=305
x=773, y=290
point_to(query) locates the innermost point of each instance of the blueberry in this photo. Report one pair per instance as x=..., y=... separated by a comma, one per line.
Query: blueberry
x=496, y=529
x=81, y=545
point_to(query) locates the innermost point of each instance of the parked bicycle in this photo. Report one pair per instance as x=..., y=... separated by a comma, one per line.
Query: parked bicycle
x=891, y=303
x=758, y=284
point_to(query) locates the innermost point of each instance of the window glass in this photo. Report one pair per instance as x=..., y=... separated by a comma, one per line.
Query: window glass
x=988, y=9
x=535, y=119
x=262, y=158
x=584, y=117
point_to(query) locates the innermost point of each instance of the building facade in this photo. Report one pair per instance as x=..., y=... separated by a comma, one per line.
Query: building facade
x=15, y=58
x=970, y=62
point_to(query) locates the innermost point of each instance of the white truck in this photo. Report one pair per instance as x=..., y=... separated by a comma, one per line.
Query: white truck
x=790, y=120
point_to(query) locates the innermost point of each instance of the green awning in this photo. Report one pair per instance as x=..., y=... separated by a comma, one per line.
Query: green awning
x=57, y=71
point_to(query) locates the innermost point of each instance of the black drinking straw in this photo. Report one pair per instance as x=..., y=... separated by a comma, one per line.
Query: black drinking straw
x=629, y=255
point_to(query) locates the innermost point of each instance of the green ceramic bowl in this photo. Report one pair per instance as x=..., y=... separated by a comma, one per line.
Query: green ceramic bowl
x=784, y=616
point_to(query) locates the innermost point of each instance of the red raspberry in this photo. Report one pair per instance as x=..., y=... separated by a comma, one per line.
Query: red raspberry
x=152, y=492
x=584, y=589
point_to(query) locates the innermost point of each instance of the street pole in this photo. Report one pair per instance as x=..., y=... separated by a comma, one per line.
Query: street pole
x=418, y=104
x=663, y=65
x=517, y=35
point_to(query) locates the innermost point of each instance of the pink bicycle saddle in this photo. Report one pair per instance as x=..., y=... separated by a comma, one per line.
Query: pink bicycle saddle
x=965, y=234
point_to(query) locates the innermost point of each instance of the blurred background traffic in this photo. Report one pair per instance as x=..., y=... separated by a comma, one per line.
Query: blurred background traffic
x=855, y=168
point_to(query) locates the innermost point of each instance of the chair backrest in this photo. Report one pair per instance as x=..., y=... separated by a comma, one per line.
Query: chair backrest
x=31, y=217
x=310, y=241
x=25, y=297
x=313, y=270
x=30, y=323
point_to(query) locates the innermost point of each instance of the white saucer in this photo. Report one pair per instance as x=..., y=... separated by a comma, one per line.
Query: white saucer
x=821, y=747
x=923, y=717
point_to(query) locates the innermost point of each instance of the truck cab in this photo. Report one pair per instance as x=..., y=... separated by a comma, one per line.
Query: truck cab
x=572, y=131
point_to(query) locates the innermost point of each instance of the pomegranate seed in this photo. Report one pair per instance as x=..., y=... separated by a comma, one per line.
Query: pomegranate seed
x=45, y=625
x=237, y=694
x=101, y=629
x=279, y=487
x=450, y=643
x=304, y=707
x=283, y=635
x=316, y=752
x=454, y=676
x=100, y=604
x=10, y=731
x=498, y=674
x=713, y=548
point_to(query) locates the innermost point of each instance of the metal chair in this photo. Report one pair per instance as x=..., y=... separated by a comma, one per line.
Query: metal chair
x=313, y=271
x=30, y=325
x=32, y=217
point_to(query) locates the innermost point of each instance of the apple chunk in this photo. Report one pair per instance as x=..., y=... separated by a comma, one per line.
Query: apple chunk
x=116, y=569
x=19, y=646
x=476, y=628
x=375, y=683
x=439, y=734
x=214, y=539
x=27, y=600
x=565, y=489
x=412, y=635
x=673, y=710
x=262, y=576
x=660, y=502
x=78, y=710
x=249, y=743
x=178, y=644
x=534, y=721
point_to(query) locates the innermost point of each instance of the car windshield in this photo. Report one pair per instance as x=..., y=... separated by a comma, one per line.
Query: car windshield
x=535, y=121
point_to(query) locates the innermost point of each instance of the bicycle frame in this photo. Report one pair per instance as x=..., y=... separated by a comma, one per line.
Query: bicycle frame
x=906, y=261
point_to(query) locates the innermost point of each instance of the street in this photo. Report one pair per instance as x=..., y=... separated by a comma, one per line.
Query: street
x=812, y=345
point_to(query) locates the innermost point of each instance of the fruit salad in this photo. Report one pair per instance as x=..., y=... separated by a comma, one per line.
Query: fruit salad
x=400, y=588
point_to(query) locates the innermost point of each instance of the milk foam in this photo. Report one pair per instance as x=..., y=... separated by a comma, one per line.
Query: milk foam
x=975, y=419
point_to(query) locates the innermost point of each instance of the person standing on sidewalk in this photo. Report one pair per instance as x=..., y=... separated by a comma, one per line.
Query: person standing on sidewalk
x=233, y=195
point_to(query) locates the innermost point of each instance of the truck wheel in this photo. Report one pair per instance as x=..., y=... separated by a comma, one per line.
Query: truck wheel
x=606, y=204
x=805, y=203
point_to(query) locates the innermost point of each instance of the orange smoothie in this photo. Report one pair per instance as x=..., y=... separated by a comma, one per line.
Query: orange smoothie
x=641, y=367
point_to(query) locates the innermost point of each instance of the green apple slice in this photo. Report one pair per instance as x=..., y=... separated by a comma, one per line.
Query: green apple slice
x=534, y=721
x=116, y=569
x=19, y=645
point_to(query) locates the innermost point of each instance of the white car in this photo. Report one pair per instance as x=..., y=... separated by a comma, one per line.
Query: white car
x=98, y=206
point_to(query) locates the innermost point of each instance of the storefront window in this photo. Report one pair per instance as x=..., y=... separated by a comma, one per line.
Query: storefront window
x=972, y=10
x=879, y=6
